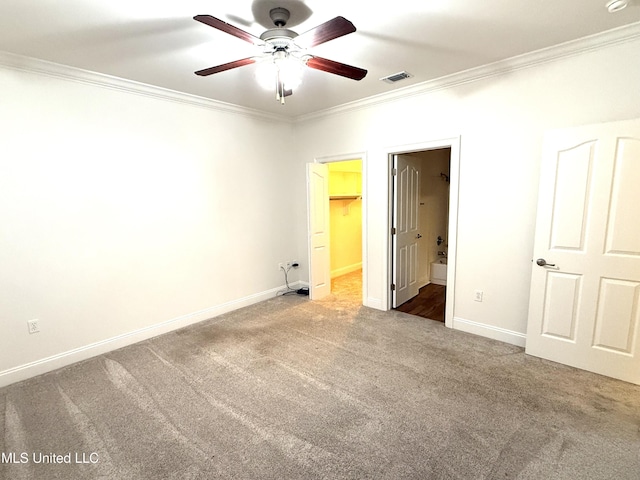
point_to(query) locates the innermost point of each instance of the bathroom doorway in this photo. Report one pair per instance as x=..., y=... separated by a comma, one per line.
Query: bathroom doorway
x=420, y=236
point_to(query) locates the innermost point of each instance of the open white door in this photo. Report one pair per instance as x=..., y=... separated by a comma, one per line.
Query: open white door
x=319, y=259
x=585, y=288
x=406, y=192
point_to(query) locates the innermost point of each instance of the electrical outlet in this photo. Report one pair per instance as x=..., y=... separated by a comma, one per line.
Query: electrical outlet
x=478, y=295
x=34, y=326
x=288, y=265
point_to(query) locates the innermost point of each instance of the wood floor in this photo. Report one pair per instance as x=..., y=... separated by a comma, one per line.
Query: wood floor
x=429, y=303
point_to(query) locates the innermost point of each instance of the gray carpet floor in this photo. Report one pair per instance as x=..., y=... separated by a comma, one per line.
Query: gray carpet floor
x=293, y=389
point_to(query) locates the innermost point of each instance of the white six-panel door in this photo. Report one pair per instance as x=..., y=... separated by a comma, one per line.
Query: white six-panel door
x=584, y=306
x=405, y=221
x=319, y=239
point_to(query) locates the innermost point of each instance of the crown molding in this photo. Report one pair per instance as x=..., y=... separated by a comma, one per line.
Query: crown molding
x=590, y=43
x=627, y=33
x=65, y=72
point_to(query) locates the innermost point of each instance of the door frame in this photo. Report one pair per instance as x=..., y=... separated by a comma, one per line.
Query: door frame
x=454, y=187
x=362, y=156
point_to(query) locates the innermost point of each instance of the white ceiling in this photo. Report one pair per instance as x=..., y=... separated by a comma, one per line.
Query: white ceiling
x=157, y=42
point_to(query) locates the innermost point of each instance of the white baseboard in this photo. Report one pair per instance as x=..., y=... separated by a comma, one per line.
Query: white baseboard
x=375, y=303
x=489, y=331
x=344, y=270
x=44, y=365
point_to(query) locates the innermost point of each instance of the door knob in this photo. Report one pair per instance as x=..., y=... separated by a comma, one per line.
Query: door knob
x=418, y=236
x=543, y=263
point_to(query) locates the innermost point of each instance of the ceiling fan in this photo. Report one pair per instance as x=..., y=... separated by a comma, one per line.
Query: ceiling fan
x=284, y=51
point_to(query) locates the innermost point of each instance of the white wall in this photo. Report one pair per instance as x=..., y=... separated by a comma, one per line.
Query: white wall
x=123, y=214
x=501, y=120
x=346, y=236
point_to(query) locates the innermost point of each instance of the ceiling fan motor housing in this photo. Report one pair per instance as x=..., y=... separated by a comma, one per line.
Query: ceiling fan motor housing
x=280, y=16
x=279, y=37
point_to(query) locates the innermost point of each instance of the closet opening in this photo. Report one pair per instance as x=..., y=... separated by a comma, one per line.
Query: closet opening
x=345, y=227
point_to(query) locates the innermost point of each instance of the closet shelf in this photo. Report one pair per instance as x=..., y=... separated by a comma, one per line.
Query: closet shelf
x=345, y=197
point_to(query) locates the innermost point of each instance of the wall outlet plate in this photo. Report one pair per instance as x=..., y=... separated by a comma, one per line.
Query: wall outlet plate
x=33, y=325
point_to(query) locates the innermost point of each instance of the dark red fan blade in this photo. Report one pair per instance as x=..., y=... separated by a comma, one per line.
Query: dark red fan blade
x=228, y=28
x=336, y=68
x=226, y=66
x=335, y=28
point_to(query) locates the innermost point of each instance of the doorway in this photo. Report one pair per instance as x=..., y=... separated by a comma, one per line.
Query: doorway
x=345, y=227
x=420, y=232
x=337, y=220
x=438, y=162
x=377, y=264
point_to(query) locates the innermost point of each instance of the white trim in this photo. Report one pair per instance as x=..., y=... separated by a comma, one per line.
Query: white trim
x=65, y=72
x=344, y=270
x=340, y=158
x=44, y=365
x=490, y=331
x=375, y=303
x=627, y=33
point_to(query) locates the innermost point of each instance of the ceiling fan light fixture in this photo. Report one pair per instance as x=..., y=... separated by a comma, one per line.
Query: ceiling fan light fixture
x=283, y=59
x=291, y=71
x=266, y=72
x=283, y=67
x=614, y=6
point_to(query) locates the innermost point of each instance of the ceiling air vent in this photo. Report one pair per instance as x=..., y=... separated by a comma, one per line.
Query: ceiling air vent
x=396, y=77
